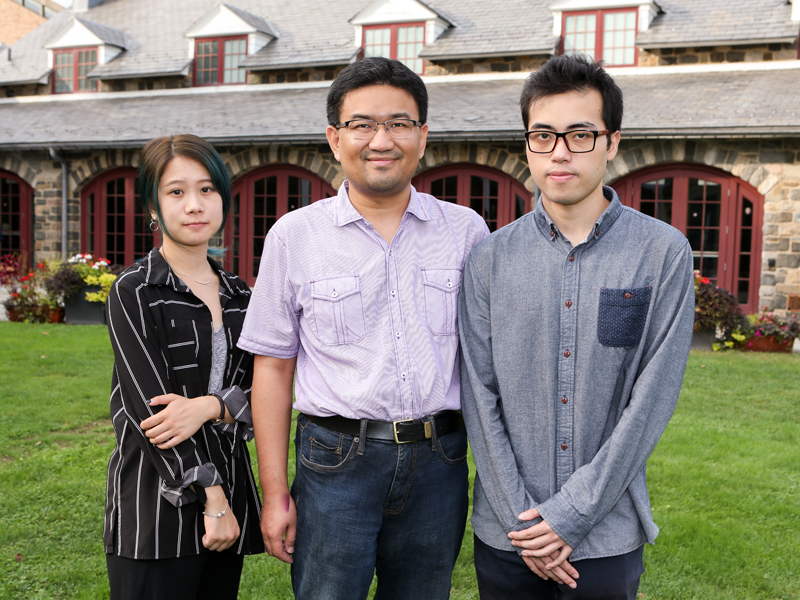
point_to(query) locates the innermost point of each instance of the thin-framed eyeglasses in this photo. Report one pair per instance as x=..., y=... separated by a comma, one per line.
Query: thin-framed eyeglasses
x=542, y=141
x=365, y=129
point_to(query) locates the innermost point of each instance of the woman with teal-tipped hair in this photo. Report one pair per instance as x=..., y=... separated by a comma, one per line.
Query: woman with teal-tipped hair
x=182, y=507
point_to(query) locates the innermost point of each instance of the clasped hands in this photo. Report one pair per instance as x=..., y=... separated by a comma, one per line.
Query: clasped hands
x=544, y=551
x=179, y=420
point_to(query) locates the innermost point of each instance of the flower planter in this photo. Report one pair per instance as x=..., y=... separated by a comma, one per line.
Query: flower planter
x=703, y=340
x=54, y=315
x=13, y=315
x=79, y=311
x=767, y=344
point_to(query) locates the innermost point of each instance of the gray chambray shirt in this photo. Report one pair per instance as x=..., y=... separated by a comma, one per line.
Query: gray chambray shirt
x=572, y=361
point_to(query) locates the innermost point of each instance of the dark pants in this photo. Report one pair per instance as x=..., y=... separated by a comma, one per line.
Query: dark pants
x=206, y=576
x=503, y=575
x=372, y=506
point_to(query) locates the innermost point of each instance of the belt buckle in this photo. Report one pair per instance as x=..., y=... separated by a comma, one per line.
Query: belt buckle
x=394, y=430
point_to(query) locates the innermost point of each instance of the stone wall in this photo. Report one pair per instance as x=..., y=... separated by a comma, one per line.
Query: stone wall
x=771, y=166
x=717, y=54
x=141, y=83
x=295, y=75
x=504, y=64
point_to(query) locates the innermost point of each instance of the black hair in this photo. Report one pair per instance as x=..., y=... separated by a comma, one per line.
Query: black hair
x=376, y=70
x=573, y=73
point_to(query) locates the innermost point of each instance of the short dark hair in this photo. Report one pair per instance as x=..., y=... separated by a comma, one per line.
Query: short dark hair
x=158, y=153
x=573, y=73
x=376, y=70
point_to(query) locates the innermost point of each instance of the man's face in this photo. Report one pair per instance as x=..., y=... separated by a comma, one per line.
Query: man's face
x=564, y=177
x=380, y=166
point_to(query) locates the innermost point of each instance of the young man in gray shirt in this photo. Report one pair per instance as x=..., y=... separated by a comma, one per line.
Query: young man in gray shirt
x=575, y=325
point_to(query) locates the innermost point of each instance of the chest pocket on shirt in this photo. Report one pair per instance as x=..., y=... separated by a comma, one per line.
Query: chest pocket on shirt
x=621, y=316
x=440, y=288
x=338, y=310
x=183, y=348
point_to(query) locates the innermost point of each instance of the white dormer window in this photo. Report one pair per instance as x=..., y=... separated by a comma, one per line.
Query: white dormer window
x=398, y=29
x=602, y=29
x=221, y=39
x=76, y=49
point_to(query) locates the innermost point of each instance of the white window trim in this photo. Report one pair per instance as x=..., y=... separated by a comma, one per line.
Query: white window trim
x=647, y=10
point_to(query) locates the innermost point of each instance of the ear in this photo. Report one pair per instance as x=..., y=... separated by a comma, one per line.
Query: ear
x=333, y=140
x=423, y=139
x=613, y=146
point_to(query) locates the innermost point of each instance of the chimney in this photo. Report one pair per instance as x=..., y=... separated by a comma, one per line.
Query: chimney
x=79, y=6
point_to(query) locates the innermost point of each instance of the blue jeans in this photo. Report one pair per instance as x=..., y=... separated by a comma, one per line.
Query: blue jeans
x=367, y=506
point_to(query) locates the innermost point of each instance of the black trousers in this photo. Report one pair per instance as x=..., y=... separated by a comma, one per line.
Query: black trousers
x=206, y=576
x=503, y=575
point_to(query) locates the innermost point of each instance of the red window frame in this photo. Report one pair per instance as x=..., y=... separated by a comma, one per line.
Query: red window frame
x=114, y=225
x=219, y=55
x=258, y=200
x=393, y=41
x=499, y=205
x=599, y=33
x=16, y=216
x=740, y=220
x=80, y=70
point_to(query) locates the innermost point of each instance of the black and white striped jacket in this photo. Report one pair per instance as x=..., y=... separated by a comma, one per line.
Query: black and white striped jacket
x=161, y=334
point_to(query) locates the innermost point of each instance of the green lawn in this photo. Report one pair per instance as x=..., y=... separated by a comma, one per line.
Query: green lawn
x=724, y=481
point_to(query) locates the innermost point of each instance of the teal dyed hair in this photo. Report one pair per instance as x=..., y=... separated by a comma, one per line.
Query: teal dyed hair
x=155, y=157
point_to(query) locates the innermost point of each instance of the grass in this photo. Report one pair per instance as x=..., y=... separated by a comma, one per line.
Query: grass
x=724, y=481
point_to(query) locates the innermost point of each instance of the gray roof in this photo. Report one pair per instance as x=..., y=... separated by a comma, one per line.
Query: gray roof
x=513, y=27
x=109, y=35
x=260, y=25
x=317, y=32
x=708, y=22
x=676, y=102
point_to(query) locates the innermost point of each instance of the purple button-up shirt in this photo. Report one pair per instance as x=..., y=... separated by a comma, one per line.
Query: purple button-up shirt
x=373, y=324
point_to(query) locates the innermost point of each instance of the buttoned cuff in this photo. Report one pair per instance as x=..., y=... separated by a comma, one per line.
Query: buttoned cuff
x=203, y=476
x=564, y=520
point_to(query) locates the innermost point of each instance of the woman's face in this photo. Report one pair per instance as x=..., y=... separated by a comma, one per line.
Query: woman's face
x=191, y=208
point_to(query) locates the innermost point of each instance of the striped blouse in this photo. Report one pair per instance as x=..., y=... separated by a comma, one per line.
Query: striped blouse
x=161, y=334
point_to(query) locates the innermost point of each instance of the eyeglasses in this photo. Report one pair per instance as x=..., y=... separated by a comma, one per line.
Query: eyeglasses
x=577, y=140
x=365, y=129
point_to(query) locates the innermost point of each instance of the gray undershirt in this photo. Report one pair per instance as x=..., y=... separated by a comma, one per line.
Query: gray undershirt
x=219, y=355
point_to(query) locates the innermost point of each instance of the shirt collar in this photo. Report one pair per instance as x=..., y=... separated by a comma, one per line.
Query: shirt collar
x=158, y=272
x=601, y=226
x=345, y=212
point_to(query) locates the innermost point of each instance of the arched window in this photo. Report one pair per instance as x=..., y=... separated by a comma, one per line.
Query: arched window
x=113, y=223
x=721, y=216
x=259, y=199
x=497, y=197
x=16, y=216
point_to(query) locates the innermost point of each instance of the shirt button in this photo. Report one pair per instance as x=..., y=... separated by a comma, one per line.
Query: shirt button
x=334, y=294
x=572, y=258
x=397, y=334
x=564, y=446
x=393, y=293
x=568, y=303
x=566, y=352
x=449, y=283
x=403, y=376
x=564, y=400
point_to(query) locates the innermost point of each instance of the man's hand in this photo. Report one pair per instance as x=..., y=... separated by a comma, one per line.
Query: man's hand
x=565, y=574
x=279, y=525
x=540, y=541
x=181, y=418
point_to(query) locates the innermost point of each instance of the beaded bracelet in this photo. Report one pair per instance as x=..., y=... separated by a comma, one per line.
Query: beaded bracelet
x=219, y=515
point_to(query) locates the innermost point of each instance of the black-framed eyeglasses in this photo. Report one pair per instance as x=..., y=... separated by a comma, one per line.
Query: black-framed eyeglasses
x=365, y=129
x=542, y=141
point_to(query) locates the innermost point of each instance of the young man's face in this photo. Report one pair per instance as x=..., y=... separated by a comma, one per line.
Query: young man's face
x=564, y=177
x=382, y=165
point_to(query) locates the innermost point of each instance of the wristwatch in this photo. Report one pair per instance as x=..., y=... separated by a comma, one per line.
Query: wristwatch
x=221, y=418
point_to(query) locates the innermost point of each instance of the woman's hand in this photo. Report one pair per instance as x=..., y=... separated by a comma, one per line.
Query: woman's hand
x=180, y=420
x=221, y=532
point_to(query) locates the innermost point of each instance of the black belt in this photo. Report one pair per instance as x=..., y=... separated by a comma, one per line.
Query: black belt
x=400, y=432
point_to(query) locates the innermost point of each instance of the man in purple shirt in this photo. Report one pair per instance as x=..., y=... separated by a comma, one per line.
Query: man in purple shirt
x=356, y=298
